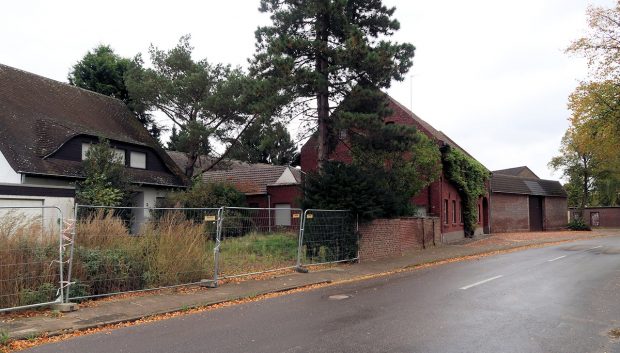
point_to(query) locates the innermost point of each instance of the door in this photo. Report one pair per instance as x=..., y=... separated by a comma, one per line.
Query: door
x=595, y=219
x=283, y=214
x=536, y=213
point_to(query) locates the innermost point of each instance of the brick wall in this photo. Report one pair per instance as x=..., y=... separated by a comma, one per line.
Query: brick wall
x=555, y=213
x=509, y=213
x=383, y=238
x=608, y=216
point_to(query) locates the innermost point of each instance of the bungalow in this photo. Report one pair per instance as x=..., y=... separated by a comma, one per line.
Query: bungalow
x=521, y=202
x=47, y=126
x=440, y=198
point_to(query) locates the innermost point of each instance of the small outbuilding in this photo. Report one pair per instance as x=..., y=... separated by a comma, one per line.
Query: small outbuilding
x=521, y=202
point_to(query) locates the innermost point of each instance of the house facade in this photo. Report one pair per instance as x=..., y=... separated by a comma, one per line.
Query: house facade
x=46, y=128
x=439, y=199
x=522, y=202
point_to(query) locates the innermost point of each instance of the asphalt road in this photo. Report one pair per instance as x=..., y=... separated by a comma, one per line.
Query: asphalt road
x=558, y=299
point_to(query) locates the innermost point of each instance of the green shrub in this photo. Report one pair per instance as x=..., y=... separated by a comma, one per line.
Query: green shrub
x=45, y=293
x=578, y=224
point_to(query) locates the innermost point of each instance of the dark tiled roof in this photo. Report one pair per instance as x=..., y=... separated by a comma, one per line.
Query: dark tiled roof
x=509, y=184
x=252, y=178
x=522, y=171
x=38, y=115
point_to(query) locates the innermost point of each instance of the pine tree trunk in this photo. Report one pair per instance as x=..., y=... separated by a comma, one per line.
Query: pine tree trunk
x=192, y=157
x=322, y=98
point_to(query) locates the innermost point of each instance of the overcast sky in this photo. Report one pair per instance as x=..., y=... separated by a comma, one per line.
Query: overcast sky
x=491, y=74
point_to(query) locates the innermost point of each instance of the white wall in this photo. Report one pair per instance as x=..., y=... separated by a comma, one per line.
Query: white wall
x=7, y=174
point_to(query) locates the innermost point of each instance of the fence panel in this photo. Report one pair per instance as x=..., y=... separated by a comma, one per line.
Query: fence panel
x=31, y=257
x=328, y=236
x=258, y=240
x=130, y=249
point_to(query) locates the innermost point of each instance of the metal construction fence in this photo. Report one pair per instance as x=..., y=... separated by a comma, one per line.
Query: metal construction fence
x=113, y=250
x=31, y=257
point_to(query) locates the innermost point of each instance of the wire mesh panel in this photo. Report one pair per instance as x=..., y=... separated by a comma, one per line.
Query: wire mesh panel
x=128, y=249
x=328, y=236
x=256, y=240
x=30, y=256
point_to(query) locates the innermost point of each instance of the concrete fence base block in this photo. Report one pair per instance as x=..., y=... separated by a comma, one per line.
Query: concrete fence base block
x=208, y=283
x=65, y=307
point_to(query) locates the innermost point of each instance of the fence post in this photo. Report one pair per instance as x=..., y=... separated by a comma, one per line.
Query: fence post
x=216, y=249
x=73, y=236
x=61, y=246
x=302, y=224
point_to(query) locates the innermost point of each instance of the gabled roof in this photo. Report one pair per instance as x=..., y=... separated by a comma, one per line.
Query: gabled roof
x=427, y=128
x=522, y=171
x=38, y=115
x=509, y=184
x=254, y=178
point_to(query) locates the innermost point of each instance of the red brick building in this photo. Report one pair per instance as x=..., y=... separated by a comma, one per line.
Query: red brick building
x=439, y=199
x=522, y=202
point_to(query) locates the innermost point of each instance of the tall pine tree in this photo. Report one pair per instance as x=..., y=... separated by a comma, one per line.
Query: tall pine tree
x=318, y=50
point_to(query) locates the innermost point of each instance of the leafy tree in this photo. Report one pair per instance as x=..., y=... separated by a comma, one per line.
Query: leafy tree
x=577, y=165
x=265, y=142
x=106, y=182
x=589, y=157
x=316, y=51
x=210, y=195
x=103, y=71
x=206, y=102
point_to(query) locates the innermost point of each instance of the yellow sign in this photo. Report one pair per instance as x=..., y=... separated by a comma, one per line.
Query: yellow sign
x=309, y=216
x=295, y=215
x=209, y=218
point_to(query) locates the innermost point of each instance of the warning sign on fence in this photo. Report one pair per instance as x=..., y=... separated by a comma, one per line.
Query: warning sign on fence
x=210, y=218
x=309, y=216
x=295, y=215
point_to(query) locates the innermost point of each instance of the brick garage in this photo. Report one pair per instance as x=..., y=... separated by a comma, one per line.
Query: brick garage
x=604, y=217
x=383, y=238
x=521, y=202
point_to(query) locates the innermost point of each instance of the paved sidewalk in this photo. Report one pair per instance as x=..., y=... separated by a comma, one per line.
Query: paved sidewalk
x=132, y=308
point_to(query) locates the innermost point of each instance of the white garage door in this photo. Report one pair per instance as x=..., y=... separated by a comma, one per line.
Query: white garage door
x=13, y=208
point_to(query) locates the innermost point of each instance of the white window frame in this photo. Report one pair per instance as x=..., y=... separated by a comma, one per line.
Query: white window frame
x=85, y=148
x=120, y=155
x=135, y=157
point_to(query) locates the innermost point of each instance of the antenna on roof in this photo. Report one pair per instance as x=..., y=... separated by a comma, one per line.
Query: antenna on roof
x=411, y=92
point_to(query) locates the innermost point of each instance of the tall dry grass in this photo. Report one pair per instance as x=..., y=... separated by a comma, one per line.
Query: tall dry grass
x=169, y=250
x=28, y=251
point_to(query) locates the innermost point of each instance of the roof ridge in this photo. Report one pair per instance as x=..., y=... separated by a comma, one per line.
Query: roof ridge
x=60, y=82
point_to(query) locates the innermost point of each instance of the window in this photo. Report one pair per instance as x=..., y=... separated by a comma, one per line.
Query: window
x=120, y=155
x=85, y=148
x=461, y=215
x=283, y=214
x=137, y=160
x=453, y=211
x=478, y=213
x=445, y=211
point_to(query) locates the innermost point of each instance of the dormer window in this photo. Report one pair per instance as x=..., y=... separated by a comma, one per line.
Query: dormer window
x=137, y=160
x=119, y=153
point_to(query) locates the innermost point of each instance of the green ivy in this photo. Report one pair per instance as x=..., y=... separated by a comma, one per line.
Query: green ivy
x=470, y=178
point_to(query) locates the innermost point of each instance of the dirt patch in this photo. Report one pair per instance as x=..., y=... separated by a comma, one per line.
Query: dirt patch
x=614, y=333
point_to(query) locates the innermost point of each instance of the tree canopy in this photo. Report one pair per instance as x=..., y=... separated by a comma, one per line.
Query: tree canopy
x=103, y=71
x=265, y=141
x=316, y=51
x=589, y=156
